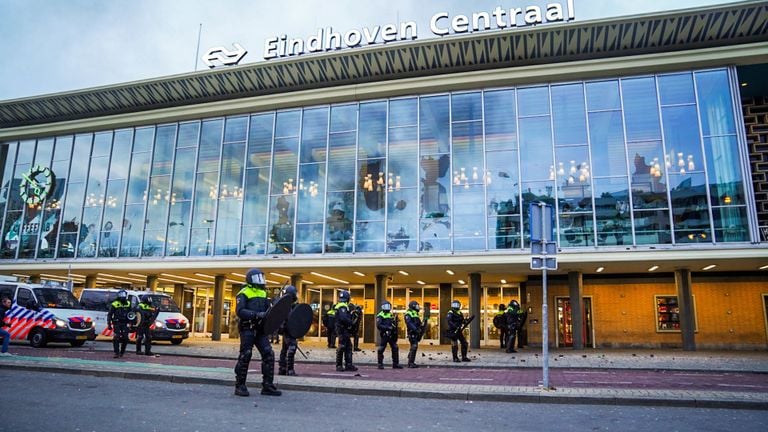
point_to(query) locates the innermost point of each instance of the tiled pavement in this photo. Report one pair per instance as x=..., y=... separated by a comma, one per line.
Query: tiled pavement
x=735, y=379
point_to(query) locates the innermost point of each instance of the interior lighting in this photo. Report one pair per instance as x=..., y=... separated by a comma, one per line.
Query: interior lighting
x=187, y=278
x=205, y=275
x=170, y=280
x=450, y=272
x=120, y=277
x=403, y=272
x=503, y=281
x=280, y=275
x=764, y=267
x=138, y=275
x=600, y=269
x=709, y=267
x=654, y=268
x=20, y=275
x=461, y=281
x=329, y=278
x=359, y=274
x=239, y=275
x=420, y=282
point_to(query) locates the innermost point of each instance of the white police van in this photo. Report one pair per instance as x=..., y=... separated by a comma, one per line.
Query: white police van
x=43, y=314
x=170, y=324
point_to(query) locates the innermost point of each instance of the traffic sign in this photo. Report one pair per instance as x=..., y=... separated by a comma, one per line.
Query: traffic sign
x=543, y=263
x=542, y=221
x=551, y=248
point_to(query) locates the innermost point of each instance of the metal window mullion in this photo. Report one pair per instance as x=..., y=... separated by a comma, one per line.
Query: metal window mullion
x=149, y=183
x=325, y=180
x=519, y=197
x=170, y=190
x=485, y=171
x=212, y=241
x=419, y=183
x=357, y=178
x=741, y=141
x=4, y=216
x=85, y=193
x=451, y=155
x=386, y=177
x=626, y=160
x=269, y=183
x=43, y=203
x=242, y=185
x=125, y=193
x=192, y=201
x=664, y=155
x=591, y=167
x=106, y=192
x=554, y=164
x=704, y=160
x=295, y=221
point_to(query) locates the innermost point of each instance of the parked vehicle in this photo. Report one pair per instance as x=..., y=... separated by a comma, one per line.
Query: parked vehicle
x=43, y=314
x=170, y=324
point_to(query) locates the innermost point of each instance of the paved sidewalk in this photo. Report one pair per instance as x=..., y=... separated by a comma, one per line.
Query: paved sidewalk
x=211, y=372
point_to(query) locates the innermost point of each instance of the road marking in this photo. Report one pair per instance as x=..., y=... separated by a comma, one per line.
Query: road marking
x=602, y=382
x=586, y=372
x=467, y=379
x=343, y=375
x=740, y=385
x=697, y=374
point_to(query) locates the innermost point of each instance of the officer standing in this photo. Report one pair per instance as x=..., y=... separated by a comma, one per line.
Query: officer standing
x=455, y=332
x=252, y=305
x=117, y=320
x=500, y=322
x=330, y=326
x=148, y=317
x=514, y=320
x=343, y=331
x=387, y=325
x=357, y=316
x=290, y=344
x=415, y=331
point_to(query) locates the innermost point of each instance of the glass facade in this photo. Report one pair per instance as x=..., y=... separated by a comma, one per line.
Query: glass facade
x=646, y=160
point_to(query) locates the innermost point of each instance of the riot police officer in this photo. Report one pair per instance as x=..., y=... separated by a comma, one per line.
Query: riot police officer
x=415, y=331
x=456, y=322
x=148, y=316
x=329, y=320
x=514, y=321
x=386, y=322
x=357, y=316
x=290, y=344
x=500, y=322
x=117, y=320
x=344, y=331
x=252, y=305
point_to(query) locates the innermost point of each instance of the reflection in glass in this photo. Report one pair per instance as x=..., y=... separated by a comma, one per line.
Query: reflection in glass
x=641, y=113
x=338, y=225
x=603, y=95
x=568, y=114
x=536, y=148
x=612, y=212
x=648, y=168
x=281, y=225
x=730, y=224
x=715, y=105
x=500, y=124
x=652, y=227
x=606, y=135
x=690, y=212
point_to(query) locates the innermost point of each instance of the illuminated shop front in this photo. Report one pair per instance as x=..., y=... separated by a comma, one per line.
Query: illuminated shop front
x=644, y=164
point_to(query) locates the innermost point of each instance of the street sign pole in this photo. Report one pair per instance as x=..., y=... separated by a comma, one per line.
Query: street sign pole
x=544, y=306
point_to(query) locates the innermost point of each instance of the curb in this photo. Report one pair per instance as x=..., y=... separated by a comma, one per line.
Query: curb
x=571, y=396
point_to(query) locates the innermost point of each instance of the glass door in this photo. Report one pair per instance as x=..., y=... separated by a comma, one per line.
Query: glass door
x=495, y=298
x=564, y=333
x=426, y=297
x=312, y=298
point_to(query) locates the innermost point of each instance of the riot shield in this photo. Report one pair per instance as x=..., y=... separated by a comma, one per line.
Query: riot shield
x=276, y=314
x=299, y=320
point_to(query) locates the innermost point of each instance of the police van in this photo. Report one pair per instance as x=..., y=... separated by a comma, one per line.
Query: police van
x=42, y=314
x=170, y=324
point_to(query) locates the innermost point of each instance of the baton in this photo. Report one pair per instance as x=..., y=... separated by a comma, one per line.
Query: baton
x=302, y=352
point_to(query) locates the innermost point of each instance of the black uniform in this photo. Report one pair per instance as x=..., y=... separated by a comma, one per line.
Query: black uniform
x=387, y=325
x=252, y=304
x=500, y=322
x=329, y=321
x=148, y=317
x=415, y=330
x=288, y=350
x=117, y=320
x=357, y=316
x=344, y=331
x=514, y=321
x=456, y=321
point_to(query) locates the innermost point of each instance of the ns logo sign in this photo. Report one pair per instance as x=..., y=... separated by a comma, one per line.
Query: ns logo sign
x=224, y=56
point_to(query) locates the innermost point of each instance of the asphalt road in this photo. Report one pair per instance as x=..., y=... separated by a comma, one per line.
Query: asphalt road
x=530, y=377
x=38, y=401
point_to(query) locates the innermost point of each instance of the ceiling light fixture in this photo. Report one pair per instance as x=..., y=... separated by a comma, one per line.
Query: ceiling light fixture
x=503, y=281
x=461, y=281
x=119, y=277
x=170, y=280
x=187, y=278
x=450, y=272
x=136, y=274
x=329, y=277
x=420, y=282
x=709, y=267
x=280, y=275
x=600, y=269
x=403, y=272
x=19, y=275
x=238, y=275
x=205, y=275
x=653, y=268
x=359, y=274
x=764, y=267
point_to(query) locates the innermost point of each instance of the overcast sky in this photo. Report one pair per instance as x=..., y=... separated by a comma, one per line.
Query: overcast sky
x=52, y=46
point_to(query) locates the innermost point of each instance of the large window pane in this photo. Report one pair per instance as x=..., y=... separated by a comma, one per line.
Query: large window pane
x=690, y=212
x=614, y=225
x=314, y=135
x=260, y=140
x=725, y=179
x=715, y=103
x=569, y=115
x=606, y=135
x=640, y=109
x=466, y=107
x=731, y=224
x=434, y=127
x=676, y=89
x=500, y=123
x=536, y=148
x=468, y=218
x=652, y=227
x=402, y=112
x=648, y=180
x=402, y=226
x=533, y=101
x=603, y=95
x=373, y=130
x=281, y=224
x=338, y=225
x=682, y=141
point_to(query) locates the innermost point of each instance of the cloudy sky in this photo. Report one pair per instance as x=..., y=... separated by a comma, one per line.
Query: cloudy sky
x=59, y=45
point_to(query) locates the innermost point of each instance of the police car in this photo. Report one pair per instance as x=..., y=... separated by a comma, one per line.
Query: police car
x=43, y=314
x=170, y=324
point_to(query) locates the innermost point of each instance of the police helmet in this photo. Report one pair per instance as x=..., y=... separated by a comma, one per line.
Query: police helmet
x=514, y=304
x=290, y=290
x=255, y=277
x=386, y=306
x=146, y=298
x=122, y=295
x=502, y=307
x=414, y=305
x=344, y=296
x=456, y=304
